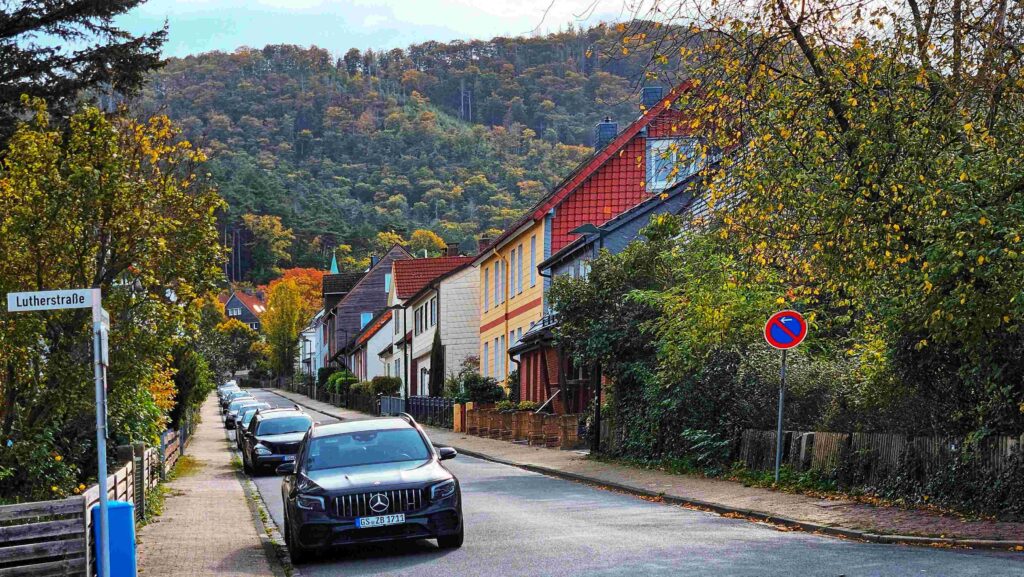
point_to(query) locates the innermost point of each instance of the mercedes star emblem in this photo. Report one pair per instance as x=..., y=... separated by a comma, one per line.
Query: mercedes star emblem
x=379, y=502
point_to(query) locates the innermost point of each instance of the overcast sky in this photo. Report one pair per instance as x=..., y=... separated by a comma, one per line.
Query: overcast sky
x=204, y=25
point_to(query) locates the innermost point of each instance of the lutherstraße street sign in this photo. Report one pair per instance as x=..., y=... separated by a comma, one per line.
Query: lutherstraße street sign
x=50, y=300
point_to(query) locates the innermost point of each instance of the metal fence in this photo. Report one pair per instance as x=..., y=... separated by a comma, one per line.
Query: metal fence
x=436, y=411
x=391, y=406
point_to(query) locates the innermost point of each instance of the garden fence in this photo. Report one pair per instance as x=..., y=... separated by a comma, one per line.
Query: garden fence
x=436, y=411
x=54, y=538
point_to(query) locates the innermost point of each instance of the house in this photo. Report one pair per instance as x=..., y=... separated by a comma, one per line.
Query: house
x=245, y=306
x=364, y=361
x=543, y=374
x=416, y=296
x=625, y=169
x=334, y=287
x=361, y=304
x=311, y=354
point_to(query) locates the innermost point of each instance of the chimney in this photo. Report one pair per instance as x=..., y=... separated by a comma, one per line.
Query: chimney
x=605, y=132
x=374, y=259
x=650, y=96
x=485, y=242
x=451, y=249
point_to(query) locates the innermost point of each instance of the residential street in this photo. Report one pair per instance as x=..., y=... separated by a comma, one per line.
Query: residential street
x=523, y=523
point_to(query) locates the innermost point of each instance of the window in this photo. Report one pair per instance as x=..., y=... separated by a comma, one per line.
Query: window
x=433, y=311
x=365, y=318
x=670, y=160
x=512, y=277
x=424, y=378
x=533, y=260
x=394, y=319
x=519, y=269
x=501, y=366
x=365, y=448
x=419, y=320
x=254, y=326
x=497, y=286
x=398, y=368
x=519, y=334
x=487, y=288
x=497, y=358
x=387, y=282
x=234, y=312
x=484, y=357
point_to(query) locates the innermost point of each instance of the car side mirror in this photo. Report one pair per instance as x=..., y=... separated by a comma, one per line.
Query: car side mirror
x=446, y=453
x=286, y=468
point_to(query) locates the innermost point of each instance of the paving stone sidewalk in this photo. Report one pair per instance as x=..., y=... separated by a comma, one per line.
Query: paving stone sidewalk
x=207, y=526
x=839, y=514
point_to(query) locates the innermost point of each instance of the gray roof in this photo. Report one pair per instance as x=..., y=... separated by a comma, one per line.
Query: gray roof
x=341, y=282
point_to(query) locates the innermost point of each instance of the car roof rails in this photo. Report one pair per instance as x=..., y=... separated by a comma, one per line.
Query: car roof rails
x=407, y=417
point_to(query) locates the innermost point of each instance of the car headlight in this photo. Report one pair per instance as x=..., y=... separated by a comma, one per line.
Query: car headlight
x=261, y=450
x=309, y=502
x=442, y=490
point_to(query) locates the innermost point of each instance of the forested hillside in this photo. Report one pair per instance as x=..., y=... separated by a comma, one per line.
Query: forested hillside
x=457, y=137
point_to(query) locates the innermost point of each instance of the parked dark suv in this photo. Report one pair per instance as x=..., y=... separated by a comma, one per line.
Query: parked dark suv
x=369, y=480
x=273, y=437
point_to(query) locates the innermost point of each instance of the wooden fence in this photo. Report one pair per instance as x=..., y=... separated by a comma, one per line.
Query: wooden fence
x=51, y=538
x=872, y=456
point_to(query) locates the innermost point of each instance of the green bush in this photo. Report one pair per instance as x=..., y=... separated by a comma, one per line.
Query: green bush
x=361, y=388
x=386, y=385
x=323, y=374
x=505, y=406
x=527, y=406
x=340, y=381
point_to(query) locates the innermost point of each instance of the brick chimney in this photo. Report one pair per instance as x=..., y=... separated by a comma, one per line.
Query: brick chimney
x=485, y=242
x=451, y=249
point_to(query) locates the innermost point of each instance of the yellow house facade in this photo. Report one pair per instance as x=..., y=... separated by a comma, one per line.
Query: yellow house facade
x=511, y=294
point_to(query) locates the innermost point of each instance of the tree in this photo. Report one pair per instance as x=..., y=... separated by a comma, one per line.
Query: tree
x=309, y=281
x=872, y=158
x=426, y=240
x=238, y=341
x=96, y=54
x=269, y=245
x=385, y=240
x=281, y=324
x=116, y=204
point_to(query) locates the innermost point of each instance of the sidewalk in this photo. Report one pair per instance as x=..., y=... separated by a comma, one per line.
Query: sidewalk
x=207, y=526
x=830, y=516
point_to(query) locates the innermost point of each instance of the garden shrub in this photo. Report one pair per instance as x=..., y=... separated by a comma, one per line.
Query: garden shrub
x=386, y=386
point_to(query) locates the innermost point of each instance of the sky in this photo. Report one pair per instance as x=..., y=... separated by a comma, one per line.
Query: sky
x=203, y=25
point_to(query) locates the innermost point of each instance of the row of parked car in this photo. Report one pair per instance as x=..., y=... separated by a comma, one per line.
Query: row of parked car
x=352, y=482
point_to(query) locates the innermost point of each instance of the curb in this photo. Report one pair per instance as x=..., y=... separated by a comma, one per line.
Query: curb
x=270, y=537
x=750, y=514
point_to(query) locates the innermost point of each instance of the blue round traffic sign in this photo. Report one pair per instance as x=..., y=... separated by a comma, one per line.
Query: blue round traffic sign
x=785, y=329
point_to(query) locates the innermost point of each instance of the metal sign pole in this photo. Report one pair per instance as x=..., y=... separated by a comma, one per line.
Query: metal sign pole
x=778, y=428
x=99, y=345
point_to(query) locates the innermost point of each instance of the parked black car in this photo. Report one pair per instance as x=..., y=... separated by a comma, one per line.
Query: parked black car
x=236, y=406
x=366, y=481
x=243, y=419
x=273, y=437
x=232, y=396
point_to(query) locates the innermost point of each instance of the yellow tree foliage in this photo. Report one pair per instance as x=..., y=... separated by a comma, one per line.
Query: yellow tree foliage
x=281, y=323
x=426, y=240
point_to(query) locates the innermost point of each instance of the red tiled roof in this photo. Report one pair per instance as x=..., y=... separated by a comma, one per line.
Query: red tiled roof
x=252, y=302
x=414, y=274
x=590, y=165
x=374, y=328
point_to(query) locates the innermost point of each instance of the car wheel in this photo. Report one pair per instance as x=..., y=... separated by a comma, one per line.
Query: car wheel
x=298, y=553
x=451, y=541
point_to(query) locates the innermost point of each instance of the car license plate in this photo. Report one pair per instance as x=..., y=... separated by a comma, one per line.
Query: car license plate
x=380, y=521
x=289, y=457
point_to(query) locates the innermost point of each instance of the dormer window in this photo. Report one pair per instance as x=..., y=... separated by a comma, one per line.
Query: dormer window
x=670, y=160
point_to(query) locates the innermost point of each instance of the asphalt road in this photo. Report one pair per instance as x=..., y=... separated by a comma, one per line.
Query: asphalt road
x=520, y=523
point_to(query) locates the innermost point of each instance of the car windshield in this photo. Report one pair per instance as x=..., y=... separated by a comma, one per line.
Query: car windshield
x=283, y=425
x=366, y=448
x=237, y=403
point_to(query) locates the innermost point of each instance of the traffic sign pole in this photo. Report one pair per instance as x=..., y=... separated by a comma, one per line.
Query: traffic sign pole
x=778, y=427
x=99, y=371
x=784, y=330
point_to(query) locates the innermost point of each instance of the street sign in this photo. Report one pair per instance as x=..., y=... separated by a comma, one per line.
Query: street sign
x=84, y=299
x=785, y=330
x=50, y=300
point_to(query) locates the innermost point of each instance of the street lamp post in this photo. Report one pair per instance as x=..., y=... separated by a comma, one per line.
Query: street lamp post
x=595, y=440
